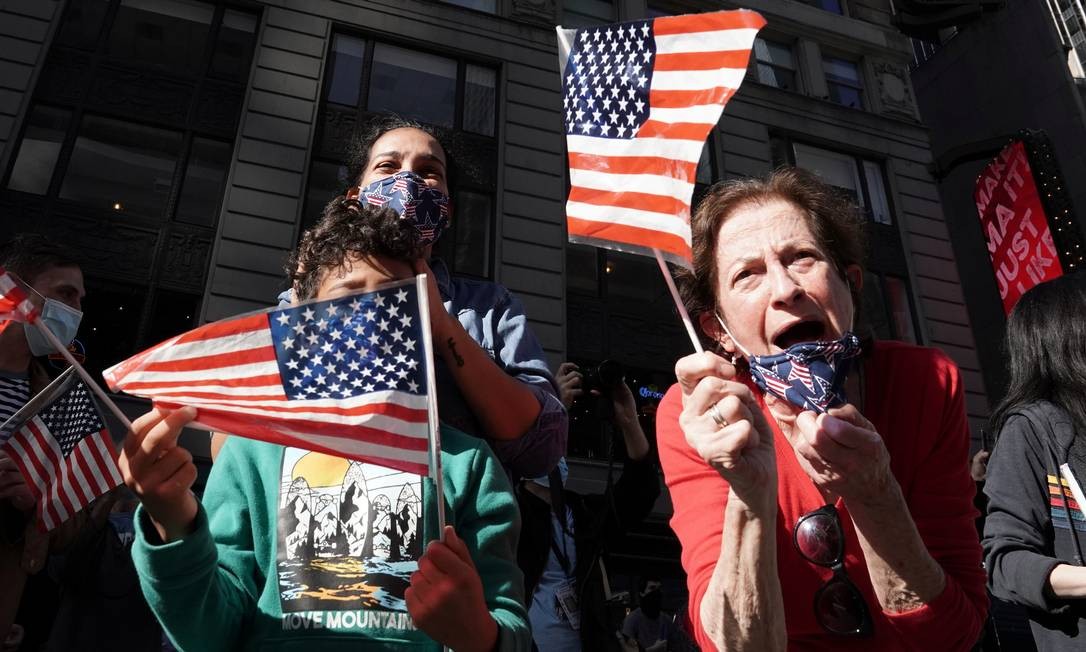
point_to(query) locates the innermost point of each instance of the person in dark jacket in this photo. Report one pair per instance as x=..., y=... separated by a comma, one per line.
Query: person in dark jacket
x=1035, y=530
x=565, y=577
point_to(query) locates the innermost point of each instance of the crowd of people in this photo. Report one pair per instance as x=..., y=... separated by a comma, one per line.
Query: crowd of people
x=820, y=478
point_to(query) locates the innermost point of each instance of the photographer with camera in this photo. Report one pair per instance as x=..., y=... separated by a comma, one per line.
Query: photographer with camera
x=565, y=536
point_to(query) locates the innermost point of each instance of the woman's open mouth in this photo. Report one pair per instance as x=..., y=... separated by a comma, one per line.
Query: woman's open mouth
x=807, y=330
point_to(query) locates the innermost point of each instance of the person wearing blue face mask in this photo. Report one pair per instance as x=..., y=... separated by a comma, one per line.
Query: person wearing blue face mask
x=53, y=281
x=818, y=508
x=493, y=380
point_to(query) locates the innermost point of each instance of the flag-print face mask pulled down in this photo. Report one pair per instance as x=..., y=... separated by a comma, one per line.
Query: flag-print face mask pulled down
x=407, y=194
x=809, y=375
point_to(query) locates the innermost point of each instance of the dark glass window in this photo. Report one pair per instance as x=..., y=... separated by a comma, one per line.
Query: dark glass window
x=83, y=23
x=489, y=6
x=169, y=34
x=234, y=48
x=582, y=13
x=110, y=325
x=470, y=231
x=174, y=313
x=776, y=64
x=345, y=82
x=900, y=307
x=861, y=179
x=833, y=6
x=326, y=180
x=365, y=78
x=123, y=166
x=124, y=155
x=204, y=182
x=38, y=152
x=480, y=98
x=413, y=84
x=844, y=82
x=582, y=269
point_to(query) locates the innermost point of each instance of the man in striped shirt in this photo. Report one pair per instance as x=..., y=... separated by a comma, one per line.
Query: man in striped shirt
x=48, y=272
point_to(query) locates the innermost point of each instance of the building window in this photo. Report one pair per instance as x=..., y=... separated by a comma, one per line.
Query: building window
x=844, y=81
x=833, y=6
x=367, y=77
x=583, y=13
x=888, y=307
x=861, y=179
x=776, y=64
x=124, y=156
x=489, y=6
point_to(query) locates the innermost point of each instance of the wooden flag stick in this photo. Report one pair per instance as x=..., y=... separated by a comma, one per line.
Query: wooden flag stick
x=685, y=316
x=431, y=403
x=98, y=391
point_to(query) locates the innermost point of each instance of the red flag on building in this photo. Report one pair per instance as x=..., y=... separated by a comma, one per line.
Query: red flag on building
x=62, y=447
x=639, y=100
x=345, y=377
x=1015, y=227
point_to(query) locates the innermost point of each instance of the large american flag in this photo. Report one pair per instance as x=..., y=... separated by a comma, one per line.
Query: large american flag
x=639, y=100
x=14, y=304
x=345, y=377
x=63, y=450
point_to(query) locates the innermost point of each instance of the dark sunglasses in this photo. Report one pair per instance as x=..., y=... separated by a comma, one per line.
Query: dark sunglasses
x=839, y=606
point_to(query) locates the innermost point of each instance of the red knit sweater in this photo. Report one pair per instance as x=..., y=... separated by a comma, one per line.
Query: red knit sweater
x=914, y=398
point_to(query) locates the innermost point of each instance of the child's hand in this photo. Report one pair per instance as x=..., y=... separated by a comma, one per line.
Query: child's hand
x=445, y=598
x=160, y=472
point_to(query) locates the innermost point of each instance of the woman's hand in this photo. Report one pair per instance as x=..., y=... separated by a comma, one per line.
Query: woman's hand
x=740, y=448
x=842, y=453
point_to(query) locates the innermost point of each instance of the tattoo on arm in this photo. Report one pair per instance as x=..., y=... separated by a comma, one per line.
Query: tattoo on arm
x=456, y=356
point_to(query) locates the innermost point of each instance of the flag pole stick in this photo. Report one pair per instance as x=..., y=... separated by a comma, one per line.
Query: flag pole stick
x=434, y=426
x=63, y=350
x=685, y=316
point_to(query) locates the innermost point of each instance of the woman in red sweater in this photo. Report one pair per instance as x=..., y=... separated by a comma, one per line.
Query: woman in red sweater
x=812, y=521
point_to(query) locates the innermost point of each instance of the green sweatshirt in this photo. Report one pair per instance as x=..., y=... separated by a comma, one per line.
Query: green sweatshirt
x=298, y=551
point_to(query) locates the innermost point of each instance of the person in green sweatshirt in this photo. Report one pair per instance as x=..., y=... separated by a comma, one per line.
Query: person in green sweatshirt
x=292, y=549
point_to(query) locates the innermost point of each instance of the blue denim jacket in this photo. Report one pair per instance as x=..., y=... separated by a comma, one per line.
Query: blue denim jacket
x=495, y=319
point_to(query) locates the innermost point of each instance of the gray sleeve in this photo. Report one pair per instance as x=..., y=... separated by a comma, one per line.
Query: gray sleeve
x=1018, y=540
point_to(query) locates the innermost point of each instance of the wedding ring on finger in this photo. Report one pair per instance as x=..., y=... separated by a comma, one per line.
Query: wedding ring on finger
x=717, y=417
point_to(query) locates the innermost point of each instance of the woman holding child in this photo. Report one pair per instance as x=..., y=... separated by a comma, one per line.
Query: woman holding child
x=823, y=511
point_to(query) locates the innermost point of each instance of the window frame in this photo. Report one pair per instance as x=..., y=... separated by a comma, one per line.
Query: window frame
x=92, y=61
x=882, y=237
x=859, y=86
x=321, y=154
x=790, y=45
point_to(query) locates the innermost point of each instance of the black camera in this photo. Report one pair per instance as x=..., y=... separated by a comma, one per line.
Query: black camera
x=604, y=377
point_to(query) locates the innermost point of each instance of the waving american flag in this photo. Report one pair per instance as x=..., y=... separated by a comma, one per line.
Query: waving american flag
x=14, y=304
x=62, y=448
x=639, y=99
x=345, y=376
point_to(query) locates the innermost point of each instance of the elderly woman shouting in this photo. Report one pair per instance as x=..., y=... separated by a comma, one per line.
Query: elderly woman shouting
x=810, y=520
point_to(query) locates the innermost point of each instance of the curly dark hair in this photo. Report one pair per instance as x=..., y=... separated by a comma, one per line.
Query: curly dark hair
x=346, y=230
x=367, y=133
x=835, y=222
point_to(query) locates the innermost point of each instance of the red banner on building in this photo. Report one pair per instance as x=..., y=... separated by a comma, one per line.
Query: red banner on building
x=1015, y=227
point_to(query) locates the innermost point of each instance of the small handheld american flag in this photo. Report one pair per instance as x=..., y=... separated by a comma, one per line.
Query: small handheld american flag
x=62, y=447
x=639, y=99
x=14, y=304
x=347, y=376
